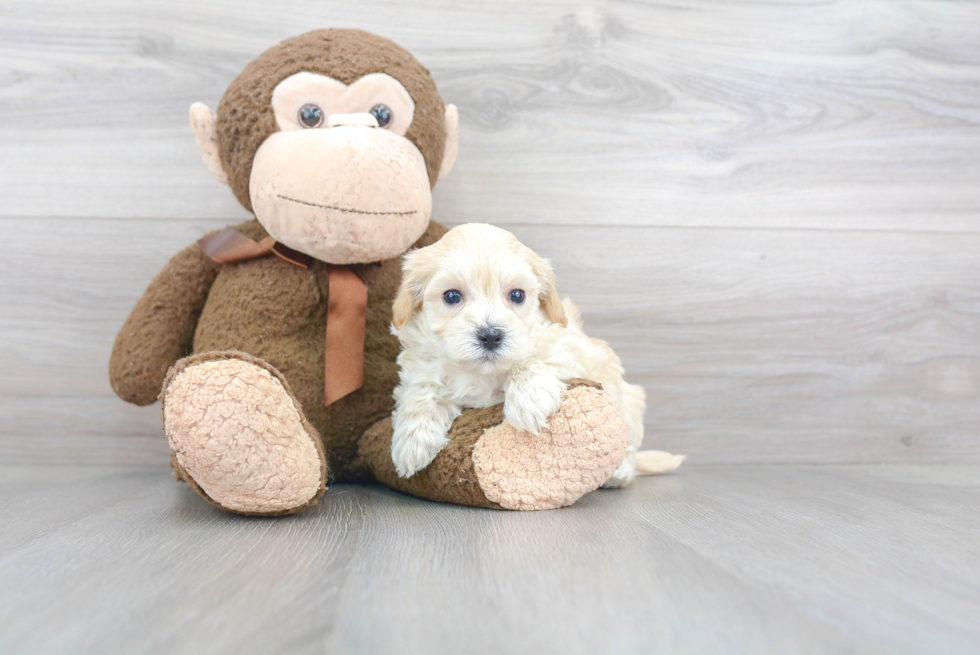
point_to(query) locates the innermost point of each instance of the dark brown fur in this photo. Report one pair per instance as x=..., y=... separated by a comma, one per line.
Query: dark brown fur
x=160, y=329
x=272, y=310
x=274, y=313
x=277, y=311
x=246, y=118
x=450, y=478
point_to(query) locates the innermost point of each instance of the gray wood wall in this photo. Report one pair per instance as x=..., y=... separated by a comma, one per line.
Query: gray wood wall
x=770, y=209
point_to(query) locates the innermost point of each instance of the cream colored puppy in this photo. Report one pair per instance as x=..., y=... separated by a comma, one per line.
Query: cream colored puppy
x=480, y=322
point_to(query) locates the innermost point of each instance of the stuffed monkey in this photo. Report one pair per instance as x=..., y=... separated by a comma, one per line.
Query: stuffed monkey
x=269, y=343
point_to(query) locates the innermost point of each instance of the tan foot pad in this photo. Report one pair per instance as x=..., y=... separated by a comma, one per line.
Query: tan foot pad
x=236, y=430
x=583, y=444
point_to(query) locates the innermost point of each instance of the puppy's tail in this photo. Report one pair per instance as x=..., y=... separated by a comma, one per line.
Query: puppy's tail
x=655, y=462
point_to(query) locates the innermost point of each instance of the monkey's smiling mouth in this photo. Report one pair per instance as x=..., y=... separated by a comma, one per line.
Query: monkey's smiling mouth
x=345, y=209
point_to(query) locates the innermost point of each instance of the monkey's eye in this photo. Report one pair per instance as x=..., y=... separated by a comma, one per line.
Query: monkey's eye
x=310, y=116
x=383, y=115
x=517, y=296
x=452, y=297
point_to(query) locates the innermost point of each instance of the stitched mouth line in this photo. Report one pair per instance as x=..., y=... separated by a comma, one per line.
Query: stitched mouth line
x=345, y=209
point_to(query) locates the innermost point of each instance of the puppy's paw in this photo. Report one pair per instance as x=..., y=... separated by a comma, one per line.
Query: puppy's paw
x=624, y=475
x=528, y=404
x=414, y=447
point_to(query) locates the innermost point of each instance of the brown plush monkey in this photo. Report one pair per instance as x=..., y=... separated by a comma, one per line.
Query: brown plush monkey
x=268, y=344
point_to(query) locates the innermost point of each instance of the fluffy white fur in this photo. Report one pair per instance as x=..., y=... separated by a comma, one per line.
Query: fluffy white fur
x=444, y=367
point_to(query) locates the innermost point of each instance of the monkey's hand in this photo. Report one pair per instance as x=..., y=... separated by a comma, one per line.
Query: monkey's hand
x=532, y=394
x=160, y=329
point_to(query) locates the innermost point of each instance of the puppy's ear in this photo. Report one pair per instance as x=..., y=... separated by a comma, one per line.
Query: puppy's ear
x=409, y=297
x=404, y=306
x=550, y=300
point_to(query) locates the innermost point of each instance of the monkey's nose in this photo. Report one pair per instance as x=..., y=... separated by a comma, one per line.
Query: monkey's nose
x=490, y=337
x=352, y=120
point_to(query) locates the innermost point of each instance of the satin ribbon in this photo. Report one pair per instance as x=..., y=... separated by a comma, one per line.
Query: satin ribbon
x=343, y=359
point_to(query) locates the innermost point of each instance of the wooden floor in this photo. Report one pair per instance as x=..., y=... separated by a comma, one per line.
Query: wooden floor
x=740, y=559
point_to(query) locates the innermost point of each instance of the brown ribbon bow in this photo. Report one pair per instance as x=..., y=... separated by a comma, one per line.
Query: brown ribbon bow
x=343, y=359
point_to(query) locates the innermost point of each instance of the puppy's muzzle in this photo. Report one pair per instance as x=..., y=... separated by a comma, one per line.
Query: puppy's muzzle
x=490, y=338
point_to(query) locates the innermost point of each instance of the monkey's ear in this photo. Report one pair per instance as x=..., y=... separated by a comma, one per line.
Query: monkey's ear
x=452, y=141
x=204, y=122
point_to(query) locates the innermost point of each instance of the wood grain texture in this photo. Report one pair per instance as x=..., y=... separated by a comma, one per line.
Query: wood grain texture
x=770, y=209
x=753, y=345
x=708, y=560
x=846, y=115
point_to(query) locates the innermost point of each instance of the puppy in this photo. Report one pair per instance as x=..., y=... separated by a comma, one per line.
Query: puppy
x=480, y=322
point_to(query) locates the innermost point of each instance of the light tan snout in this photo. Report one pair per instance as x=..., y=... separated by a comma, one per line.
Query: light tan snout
x=345, y=194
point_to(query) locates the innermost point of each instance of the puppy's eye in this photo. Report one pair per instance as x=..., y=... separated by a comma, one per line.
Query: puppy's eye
x=310, y=116
x=517, y=296
x=452, y=297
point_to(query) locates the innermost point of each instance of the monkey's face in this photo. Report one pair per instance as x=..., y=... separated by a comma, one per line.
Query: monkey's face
x=339, y=169
x=339, y=181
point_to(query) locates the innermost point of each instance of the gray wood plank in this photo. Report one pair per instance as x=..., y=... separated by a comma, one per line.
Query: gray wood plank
x=834, y=114
x=753, y=345
x=831, y=559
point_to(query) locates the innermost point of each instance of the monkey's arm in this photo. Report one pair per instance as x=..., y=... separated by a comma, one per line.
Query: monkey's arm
x=160, y=329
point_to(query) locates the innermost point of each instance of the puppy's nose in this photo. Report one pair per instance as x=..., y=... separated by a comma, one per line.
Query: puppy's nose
x=490, y=337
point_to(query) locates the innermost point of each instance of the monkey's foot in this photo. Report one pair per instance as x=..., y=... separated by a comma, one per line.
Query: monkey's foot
x=489, y=463
x=239, y=438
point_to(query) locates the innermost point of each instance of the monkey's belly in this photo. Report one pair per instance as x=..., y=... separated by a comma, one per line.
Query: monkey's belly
x=278, y=312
